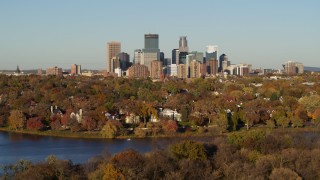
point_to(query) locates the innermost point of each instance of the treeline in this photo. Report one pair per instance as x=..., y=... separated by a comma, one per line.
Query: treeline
x=255, y=154
x=98, y=104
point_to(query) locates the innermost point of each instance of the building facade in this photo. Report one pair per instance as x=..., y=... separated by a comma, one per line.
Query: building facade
x=212, y=52
x=54, y=71
x=151, y=49
x=156, y=70
x=222, y=59
x=212, y=67
x=75, y=69
x=293, y=68
x=182, y=71
x=138, y=71
x=175, y=56
x=195, y=69
x=124, y=61
x=113, y=50
x=183, y=44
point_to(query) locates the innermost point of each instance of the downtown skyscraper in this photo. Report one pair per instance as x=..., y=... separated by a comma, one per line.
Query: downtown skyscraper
x=151, y=49
x=113, y=50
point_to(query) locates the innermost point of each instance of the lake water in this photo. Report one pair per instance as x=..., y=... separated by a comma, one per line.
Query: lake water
x=14, y=147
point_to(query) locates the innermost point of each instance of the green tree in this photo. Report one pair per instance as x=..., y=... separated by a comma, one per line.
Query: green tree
x=188, y=149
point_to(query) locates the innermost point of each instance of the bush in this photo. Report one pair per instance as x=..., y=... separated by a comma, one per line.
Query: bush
x=188, y=149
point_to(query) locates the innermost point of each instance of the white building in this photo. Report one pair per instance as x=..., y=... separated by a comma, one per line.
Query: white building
x=173, y=70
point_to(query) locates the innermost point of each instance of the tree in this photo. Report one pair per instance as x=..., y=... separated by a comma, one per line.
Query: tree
x=110, y=172
x=170, y=127
x=188, y=149
x=112, y=129
x=89, y=123
x=310, y=103
x=296, y=121
x=17, y=120
x=284, y=174
x=283, y=121
x=35, y=123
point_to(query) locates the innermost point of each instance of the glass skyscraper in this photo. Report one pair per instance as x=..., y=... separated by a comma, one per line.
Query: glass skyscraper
x=151, y=49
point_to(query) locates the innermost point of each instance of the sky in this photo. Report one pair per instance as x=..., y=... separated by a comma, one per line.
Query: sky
x=40, y=34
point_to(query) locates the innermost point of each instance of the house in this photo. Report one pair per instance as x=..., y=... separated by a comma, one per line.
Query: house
x=169, y=113
x=132, y=119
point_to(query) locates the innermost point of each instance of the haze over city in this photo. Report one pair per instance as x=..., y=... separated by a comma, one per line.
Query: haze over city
x=40, y=34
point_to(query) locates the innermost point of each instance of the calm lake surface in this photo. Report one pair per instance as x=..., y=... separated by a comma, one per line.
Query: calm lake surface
x=14, y=147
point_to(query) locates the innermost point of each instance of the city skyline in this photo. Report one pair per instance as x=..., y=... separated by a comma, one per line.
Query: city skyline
x=37, y=34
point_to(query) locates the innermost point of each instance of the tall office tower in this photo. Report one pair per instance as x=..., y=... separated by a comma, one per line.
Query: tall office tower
x=183, y=49
x=175, y=56
x=124, y=61
x=75, y=69
x=183, y=44
x=212, y=52
x=137, y=56
x=138, y=71
x=212, y=67
x=222, y=58
x=113, y=50
x=156, y=70
x=151, y=49
x=195, y=69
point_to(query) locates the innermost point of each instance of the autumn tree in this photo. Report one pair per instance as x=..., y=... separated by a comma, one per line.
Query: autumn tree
x=35, y=123
x=112, y=129
x=16, y=120
x=310, y=103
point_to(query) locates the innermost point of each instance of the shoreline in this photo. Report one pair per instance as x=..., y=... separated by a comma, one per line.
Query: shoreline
x=96, y=135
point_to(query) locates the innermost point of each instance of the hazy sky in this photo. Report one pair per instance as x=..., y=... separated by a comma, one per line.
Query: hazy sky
x=42, y=33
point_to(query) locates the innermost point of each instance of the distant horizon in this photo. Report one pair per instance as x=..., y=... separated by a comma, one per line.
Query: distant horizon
x=41, y=34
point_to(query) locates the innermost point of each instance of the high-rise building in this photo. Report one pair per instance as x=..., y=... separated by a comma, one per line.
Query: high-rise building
x=212, y=66
x=198, y=56
x=113, y=50
x=183, y=44
x=75, y=69
x=212, y=52
x=222, y=58
x=162, y=59
x=115, y=63
x=151, y=49
x=54, y=71
x=175, y=56
x=137, y=56
x=293, y=68
x=172, y=70
x=182, y=71
x=138, y=71
x=242, y=70
x=195, y=69
x=124, y=61
x=156, y=70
